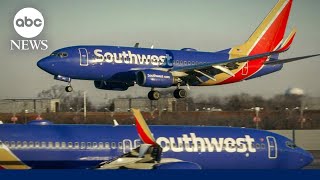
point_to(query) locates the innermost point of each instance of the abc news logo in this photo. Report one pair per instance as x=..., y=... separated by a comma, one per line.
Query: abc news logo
x=28, y=23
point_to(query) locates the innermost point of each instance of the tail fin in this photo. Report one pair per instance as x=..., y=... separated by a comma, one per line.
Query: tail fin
x=269, y=35
x=142, y=128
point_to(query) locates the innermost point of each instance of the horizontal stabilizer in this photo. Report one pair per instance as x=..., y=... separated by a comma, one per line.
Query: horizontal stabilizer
x=283, y=61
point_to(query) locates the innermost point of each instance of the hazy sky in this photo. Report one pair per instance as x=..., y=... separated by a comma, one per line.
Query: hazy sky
x=207, y=25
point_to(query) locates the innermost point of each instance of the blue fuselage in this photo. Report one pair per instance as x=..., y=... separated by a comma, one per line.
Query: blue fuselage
x=85, y=146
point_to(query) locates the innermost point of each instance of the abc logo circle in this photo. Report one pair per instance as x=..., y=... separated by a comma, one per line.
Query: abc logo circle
x=28, y=22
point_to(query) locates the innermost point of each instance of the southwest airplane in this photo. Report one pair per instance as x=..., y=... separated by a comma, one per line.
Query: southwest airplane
x=118, y=68
x=119, y=147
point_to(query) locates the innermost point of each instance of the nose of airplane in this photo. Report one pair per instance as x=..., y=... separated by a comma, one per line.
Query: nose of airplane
x=44, y=64
x=306, y=158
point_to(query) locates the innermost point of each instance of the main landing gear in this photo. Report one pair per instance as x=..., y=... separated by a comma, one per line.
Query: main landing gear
x=178, y=93
x=154, y=95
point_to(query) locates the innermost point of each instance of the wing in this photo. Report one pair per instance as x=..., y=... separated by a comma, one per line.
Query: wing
x=147, y=155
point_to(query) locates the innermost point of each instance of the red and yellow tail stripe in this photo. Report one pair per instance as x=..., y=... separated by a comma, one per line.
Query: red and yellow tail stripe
x=287, y=43
x=10, y=161
x=267, y=37
x=142, y=128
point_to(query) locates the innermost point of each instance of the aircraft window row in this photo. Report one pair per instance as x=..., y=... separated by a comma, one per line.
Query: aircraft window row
x=259, y=146
x=185, y=63
x=65, y=145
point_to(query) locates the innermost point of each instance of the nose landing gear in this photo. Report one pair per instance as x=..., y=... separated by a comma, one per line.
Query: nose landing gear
x=69, y=88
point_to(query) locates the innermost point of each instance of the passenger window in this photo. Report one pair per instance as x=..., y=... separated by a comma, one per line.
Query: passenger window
x=120, y=145
x=25, y=144
x=100, y=145
x=107, y=145
x=113, y=145
x=57, y=145
x=19, y=144
x=50, y=144
x=70, y=145
x=257, y=146
x=13, y=144
x=83, y=145
x=6, y=143
x=31, y=144
x=76, y=145
x=94, y=145
x=63, y=145
x=263, y=146
x=37, y=144
x=88, y=145
x=43, y=144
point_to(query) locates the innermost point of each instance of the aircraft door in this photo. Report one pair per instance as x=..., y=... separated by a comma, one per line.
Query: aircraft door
x=83, y=56
x=272, y=147
x=245, y=69
x=127, y=145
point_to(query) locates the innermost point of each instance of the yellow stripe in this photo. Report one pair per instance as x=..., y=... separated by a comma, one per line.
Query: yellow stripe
x=142, y=122
x=293, y=32
x=7, y=155
x=244, y=50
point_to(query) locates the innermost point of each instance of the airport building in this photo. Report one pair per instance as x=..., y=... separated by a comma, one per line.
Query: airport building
x=29, y=105
x=311, y=103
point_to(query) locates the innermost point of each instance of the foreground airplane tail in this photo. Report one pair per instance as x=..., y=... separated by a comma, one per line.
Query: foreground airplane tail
x=269, y=34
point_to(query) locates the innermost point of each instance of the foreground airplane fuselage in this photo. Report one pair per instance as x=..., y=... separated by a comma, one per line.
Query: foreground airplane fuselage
x=85, y=146
x=118, y=68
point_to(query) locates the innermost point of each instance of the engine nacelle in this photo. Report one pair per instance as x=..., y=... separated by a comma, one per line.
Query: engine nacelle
x=115, y=86
x=154, y=78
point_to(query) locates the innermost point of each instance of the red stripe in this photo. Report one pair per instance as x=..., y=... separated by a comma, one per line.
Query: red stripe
x=267, y=43
x=287, y=46
x=145, y=138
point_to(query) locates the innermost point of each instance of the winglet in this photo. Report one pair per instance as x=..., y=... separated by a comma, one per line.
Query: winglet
x=115, y=122
x=288, y=42
x=142, y=128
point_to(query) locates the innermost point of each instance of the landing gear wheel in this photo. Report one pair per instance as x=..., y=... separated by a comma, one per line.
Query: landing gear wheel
x=180, y=93
x=69, y=89
x=154, y=95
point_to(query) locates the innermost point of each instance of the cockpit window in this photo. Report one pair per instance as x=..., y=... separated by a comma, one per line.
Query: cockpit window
x=62, y=54
x=53, y=54
x=291, y=145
